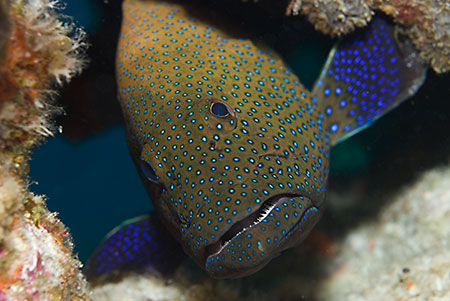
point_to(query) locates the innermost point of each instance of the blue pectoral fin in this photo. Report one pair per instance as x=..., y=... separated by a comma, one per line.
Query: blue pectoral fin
x=366, y=75
x=138, y=245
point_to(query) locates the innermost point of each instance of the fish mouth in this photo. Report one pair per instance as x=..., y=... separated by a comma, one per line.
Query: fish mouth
x=247, y=223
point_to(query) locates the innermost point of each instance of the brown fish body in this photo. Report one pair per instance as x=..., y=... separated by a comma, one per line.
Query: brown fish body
x=234, y=152
x=218, y=174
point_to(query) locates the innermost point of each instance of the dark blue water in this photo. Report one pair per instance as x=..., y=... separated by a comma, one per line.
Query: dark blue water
x=92, y=184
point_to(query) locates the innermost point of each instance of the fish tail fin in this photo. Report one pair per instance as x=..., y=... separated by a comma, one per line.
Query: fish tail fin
x=366, y=75
x=141, y=244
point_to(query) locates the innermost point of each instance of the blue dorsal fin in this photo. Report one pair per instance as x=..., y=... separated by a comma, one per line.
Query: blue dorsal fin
x=366, y=75
x=140, y=244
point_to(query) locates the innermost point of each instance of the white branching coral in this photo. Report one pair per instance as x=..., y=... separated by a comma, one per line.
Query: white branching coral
x=60, y=39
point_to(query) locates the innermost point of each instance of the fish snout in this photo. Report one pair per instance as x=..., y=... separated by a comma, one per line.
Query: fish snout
x=281, y=222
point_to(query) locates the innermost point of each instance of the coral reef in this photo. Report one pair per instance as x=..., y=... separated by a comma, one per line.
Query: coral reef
x=401, y=255
x=426, y=22
x=37, y=50
x=404, y=253
x=146, y=287
x=4, y=27
x=333, y=17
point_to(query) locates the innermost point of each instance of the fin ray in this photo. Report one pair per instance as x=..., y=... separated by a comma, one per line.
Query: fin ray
x=140, y=244
x=366, y=75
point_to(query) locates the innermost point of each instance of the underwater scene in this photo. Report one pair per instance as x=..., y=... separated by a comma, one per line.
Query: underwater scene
x=224, y=150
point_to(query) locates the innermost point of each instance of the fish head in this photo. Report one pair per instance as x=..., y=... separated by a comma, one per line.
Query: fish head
x=231, y=139
x=242, y=172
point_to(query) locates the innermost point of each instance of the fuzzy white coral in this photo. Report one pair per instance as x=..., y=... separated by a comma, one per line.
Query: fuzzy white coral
x=36, y=260
x=59, y=39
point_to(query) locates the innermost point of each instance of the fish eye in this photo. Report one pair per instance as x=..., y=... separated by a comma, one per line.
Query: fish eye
x=221, y=115
x=219, y=109
x=149, y=172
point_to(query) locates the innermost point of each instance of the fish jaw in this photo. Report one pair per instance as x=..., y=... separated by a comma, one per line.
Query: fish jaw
x=283, y=221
